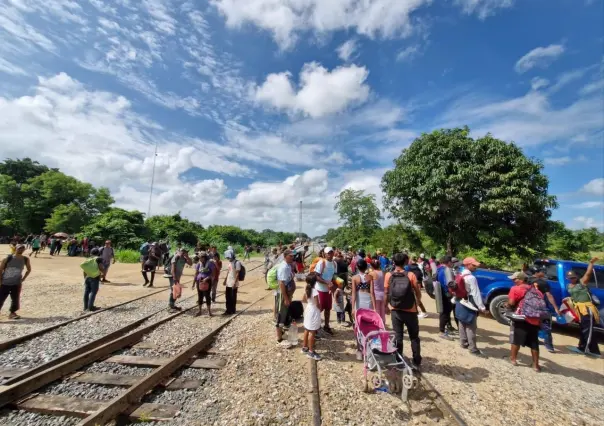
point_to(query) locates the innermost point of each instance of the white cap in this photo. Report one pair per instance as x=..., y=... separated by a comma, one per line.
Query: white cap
x=423, y=256
x=327, y=250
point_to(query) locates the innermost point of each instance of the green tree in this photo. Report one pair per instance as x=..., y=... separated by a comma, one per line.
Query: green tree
x=66, y=218
x=126, y=229
x=21, y=170
x=174, y=228
x=465, y=192
x=360, y=216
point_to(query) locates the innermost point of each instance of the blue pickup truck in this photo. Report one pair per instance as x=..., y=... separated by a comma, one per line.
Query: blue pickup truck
x=495, y=285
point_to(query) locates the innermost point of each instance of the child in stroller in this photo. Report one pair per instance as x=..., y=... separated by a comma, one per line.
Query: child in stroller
x=380, y=355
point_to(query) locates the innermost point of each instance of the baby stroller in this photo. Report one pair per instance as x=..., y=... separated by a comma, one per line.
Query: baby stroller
x=391, y=371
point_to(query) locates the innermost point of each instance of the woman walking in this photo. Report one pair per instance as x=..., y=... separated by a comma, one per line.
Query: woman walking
x=378, y=286
x=363, y=295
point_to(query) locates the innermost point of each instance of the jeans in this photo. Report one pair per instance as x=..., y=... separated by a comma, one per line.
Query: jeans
x=171, y=300
x=445, y=315
x=548, y=340
x=588, y=341
x=400, y=319
x=214, y=289
x=467, y=334
x=91, y=287
x=231, y=299
x=14, y=291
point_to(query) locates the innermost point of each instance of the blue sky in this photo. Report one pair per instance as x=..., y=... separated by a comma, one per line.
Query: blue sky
x=255, y=105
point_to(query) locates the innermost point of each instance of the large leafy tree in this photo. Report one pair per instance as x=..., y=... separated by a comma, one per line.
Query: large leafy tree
x=174, y=228
x=124, y=228
x=465, y=192
x=359, y=214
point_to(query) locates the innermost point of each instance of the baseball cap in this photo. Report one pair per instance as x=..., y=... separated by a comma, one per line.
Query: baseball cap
x=288, y=252
x=20, y=246
x=327, y=250
x=471, y=261
x=535, y=269
x=454, y=260
x=518, y=275
x=422, y=255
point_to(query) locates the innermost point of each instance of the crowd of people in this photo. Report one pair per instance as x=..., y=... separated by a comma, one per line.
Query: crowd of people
x=345, y=282
x=342, y=281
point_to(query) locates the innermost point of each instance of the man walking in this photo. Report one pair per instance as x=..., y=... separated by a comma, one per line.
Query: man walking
x=11, y=279
x=177, y=266
x=325, y=270
x=150, y=264
x=108, y=255
x=35, y=246
x=93, y=272
x=215, y=257
x=402, y=295
x=285, y=292
x=444, y=276
x=468, y=316
x=246, y=255
x=231, y=281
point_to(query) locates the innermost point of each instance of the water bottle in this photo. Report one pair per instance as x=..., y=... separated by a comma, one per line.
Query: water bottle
x=292, y=334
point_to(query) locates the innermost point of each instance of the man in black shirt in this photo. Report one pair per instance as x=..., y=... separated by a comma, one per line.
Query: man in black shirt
x=538, y=279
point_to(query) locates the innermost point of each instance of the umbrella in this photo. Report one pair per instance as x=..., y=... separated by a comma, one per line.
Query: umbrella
x=61, y=235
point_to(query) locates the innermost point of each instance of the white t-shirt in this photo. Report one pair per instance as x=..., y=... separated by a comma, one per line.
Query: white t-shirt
x=312, y=314
x=327, y=270
x=230, y=282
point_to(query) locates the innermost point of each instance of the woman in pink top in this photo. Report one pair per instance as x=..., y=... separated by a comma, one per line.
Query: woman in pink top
x=378, y=288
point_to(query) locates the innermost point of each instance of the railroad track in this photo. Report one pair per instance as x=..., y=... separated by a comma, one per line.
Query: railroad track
x=125, y=404
x=7, y=344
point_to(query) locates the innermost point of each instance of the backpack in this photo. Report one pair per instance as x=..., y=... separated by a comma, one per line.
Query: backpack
x=401, y=293
x=241, y=276
x=90, y=267
x=314, y=263
x=533, y=305
x=429, y=286
x=458, y=287
x=168, y=265
x=298, y=257
x=271, y=278
x=144, y=249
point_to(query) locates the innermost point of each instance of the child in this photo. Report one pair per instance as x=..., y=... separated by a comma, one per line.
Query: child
x=312, y=317
x=204, y=273
x=338, y=297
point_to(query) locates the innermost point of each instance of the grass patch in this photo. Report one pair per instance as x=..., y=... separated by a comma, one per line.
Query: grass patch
x=127, y=256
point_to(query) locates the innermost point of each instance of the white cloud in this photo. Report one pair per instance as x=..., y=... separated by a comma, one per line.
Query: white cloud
x=593, y=87
x=539, y=83
x=557, y=161
x=528, y=120
x=347, y=50
x=589, y=205
x=539, y=57
x=10, y=68
x=286, y=19
x=568, y=77
x=321, y=92
x=483, y=8
x=408, y=53
x=589, y=222
x=595, y=187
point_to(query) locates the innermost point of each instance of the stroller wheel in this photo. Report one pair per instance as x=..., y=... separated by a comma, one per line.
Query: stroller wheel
x=376, y=381
x=408, y=381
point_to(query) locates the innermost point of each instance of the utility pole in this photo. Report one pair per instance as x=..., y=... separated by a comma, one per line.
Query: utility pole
x=300, y=222
x=152, y=182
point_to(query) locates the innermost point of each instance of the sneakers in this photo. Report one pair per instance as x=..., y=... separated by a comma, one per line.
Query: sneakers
x=167, y=275
x=176, y=308
x=146, y=283
x=478, y=354
x=14, y=316
x=422, y=315
x=304, y=350
x=445, y=336
x=313, y=355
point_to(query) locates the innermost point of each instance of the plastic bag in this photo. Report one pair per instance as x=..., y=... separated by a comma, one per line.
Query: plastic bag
x=176, y=291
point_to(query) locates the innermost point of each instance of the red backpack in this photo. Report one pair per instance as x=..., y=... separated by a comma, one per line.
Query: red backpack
x=458, y=287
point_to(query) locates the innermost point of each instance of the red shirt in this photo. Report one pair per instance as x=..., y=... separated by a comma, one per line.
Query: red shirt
x=516, y=297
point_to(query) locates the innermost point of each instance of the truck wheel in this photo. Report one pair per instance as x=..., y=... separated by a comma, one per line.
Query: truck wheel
x=498, y=310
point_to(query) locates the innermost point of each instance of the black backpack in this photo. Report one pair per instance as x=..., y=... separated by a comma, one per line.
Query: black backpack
x=241, y=276
x=401, y=293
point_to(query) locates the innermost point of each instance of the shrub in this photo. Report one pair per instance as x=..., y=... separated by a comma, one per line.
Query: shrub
x=127, y=256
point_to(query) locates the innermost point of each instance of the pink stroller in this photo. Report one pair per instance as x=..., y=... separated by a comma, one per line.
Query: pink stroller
x=391, y=371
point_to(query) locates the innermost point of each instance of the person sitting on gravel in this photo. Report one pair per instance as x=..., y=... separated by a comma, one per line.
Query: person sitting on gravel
x=285, y=292
x=312, y=317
